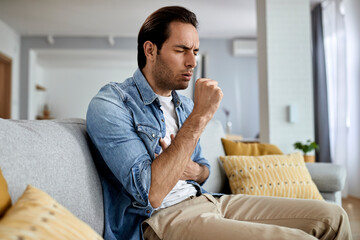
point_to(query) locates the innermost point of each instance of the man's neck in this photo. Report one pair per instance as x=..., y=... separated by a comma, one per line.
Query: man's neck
x=152, y=82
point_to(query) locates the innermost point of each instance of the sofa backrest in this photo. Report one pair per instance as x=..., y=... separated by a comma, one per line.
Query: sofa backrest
x=212, y=148
x=53, y=156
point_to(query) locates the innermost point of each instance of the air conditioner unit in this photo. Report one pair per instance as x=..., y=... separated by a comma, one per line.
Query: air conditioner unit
x=242, y=47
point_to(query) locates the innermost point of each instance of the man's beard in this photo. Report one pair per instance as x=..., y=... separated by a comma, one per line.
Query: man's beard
x=165, y=78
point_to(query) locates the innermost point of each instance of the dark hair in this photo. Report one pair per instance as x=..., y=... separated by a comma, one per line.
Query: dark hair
x=156, y=28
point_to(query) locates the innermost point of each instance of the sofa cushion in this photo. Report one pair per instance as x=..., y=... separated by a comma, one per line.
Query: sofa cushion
x=55, y=157
x=270, y=175
x=5, y=200
x=249, y=149
x=36, y=215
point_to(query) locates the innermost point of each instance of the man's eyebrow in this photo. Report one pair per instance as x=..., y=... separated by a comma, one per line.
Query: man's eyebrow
x=186, y=47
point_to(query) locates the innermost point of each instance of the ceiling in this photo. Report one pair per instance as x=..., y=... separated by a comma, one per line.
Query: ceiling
x=120, y=18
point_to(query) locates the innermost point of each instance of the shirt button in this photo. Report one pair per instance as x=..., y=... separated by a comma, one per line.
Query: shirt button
x=147, y=211
x=162, y=120
x=153, y=135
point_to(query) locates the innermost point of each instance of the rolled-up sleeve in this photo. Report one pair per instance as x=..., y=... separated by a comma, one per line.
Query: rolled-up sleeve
x=111, y=128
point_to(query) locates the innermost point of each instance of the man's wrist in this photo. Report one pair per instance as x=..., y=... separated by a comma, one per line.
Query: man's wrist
x=199, y=120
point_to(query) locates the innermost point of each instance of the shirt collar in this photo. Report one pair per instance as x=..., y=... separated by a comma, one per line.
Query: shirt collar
x=146, y=92
x=176, y=98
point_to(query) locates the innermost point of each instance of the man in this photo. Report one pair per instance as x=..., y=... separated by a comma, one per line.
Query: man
x=151, y=166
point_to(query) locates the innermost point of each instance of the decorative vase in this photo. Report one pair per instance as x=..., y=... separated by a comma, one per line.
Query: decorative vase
x=46, y=111
x=228, y=127
x=309, y=158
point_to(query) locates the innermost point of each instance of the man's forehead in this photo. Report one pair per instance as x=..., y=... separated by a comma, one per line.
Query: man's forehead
x=184, y=34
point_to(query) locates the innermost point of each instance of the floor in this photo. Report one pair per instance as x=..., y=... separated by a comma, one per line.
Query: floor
x=352, y=207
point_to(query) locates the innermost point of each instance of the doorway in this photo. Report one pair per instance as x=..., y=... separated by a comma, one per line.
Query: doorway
x=5, y=86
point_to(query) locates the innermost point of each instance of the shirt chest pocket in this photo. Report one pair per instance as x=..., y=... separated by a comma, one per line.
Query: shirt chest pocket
x=150, y=135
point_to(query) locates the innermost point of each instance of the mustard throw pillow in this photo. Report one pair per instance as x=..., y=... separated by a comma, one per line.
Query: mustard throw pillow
x=5, y=200
x=38, y=216
x=271, y=175
x=249, y=149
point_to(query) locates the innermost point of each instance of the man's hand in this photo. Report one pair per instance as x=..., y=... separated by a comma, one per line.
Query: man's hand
x=196, y=172
x=207, y=97
x=193, y=171
x=163, y=144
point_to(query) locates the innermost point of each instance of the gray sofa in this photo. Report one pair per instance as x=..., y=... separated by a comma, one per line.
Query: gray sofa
x=56, y=156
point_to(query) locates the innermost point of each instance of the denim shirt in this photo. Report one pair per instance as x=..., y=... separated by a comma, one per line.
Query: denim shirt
x=125, y=123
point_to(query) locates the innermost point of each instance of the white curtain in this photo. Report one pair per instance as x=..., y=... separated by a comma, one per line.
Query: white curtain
x=337, y=84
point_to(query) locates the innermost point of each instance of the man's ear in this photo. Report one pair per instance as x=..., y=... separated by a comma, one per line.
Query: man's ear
x=150, y=50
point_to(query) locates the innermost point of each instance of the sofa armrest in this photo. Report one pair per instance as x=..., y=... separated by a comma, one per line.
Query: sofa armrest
x=327, y=177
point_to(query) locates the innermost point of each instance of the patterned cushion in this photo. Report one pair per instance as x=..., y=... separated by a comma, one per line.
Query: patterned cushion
x=270, y=175
x=38, y=216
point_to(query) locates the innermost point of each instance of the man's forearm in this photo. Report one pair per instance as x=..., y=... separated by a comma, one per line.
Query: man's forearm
x=168, y=168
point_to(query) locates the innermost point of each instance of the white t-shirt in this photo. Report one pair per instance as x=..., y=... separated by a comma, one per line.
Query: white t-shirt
x=182, y=190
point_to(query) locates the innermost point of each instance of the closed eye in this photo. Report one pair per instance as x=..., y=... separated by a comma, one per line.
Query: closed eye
x=183, y=48
x=182, y=51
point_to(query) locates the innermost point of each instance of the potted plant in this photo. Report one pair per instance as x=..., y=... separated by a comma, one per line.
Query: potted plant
x=306, y=147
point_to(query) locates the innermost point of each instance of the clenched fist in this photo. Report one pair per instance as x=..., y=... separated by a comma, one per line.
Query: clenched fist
x=207, y=97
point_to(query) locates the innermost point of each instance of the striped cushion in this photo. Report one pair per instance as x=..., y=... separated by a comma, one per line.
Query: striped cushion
x=270, y=175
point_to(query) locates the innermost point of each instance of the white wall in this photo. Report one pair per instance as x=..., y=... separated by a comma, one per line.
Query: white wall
x=69, y=90
x=352, y=19
x=238, y=79
x=285, y=71
x=34, y=78
x=10, y=46
x=40, y=97
x=72, y=77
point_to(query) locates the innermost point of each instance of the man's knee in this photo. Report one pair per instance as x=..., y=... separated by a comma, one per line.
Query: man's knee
x=334, y=214
x=335, y=220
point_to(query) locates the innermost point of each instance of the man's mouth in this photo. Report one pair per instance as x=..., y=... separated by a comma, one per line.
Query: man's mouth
x=187, y=76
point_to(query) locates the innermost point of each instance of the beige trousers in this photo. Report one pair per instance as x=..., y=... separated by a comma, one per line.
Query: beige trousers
x=248, y=217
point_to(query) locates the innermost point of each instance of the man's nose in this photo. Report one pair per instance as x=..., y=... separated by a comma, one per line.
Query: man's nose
x=190, y=60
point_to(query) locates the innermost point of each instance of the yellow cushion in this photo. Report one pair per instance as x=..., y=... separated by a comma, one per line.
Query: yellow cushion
x=5, y=200
x=249, y=149
x=38, y=216
x=271, y=175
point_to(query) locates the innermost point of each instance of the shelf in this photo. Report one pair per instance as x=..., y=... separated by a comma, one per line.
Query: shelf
x=40, y=88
